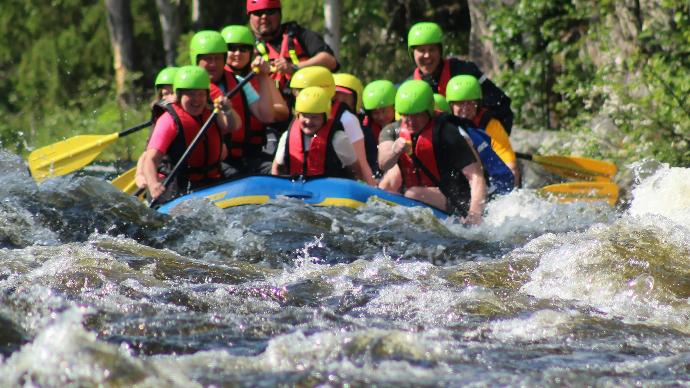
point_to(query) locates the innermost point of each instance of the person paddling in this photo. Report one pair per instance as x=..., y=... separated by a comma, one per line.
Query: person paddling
x=464, y=96
x=434, y=163
x=288, y=46
x=165, y=94
x=178, y=126
x=321, y=77
x=240, y=45
x=315, y=144
x=208, y=50
x=425, y=46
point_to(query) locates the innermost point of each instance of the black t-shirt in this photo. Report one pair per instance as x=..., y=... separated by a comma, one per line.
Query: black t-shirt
x=311, y=42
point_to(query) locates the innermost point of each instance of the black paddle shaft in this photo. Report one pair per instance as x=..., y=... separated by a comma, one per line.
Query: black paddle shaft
x=199, y=135
x=135, y=128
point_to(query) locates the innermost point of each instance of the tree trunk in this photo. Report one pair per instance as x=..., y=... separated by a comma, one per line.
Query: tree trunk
x=170, y=27
x=332, y=13
x=120, y=28
x=196, y=14
x=481, y=48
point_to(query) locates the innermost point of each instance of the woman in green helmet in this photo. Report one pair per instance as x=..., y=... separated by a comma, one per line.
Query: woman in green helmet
x=178, y=126
x=165, y=94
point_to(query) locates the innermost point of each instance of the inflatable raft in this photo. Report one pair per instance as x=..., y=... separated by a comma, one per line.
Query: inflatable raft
x=257, y=190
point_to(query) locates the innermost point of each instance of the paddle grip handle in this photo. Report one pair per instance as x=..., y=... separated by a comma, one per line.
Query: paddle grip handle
x=523, y=156
x=199, y=135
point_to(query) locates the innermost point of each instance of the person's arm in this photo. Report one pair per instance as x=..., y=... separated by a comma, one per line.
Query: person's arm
x=150, y=161
x=281, y=112
x=227, y=119
x=262, y=109
x=163, y=134
x=285, y=66
x=139, y=178
x=474, y=173
x=390, y=151
x=463, y=157
x=277, y=167
x=390, y=147
x=362, y=165
x=320, y=59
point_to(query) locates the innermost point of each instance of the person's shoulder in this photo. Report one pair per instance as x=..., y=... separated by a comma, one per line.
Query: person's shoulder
x=459, y=66
x=293, y=28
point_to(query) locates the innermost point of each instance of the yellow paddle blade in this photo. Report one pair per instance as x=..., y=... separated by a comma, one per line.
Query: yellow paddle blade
x=577, y=167
x=583, y=192
x=68, y=155
x=125, y=182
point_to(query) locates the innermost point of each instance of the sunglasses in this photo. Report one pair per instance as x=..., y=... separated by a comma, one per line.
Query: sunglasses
x=267, y=12
x=243, y=48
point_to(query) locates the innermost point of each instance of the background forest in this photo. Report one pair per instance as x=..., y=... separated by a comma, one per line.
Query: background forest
x=614, y=74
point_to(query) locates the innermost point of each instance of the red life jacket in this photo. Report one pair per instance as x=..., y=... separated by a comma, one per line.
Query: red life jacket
x=423, y=151
x=254, y=134
x=443, y=81
x=290, y=48
x=204, y=160
x=315, y=161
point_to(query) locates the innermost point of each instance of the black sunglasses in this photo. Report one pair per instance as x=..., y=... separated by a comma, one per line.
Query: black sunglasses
x=239, y=47
x=268, y=12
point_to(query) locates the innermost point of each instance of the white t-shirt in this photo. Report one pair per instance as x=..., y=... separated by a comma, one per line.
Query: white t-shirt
x=341, y=145
x=351, y=126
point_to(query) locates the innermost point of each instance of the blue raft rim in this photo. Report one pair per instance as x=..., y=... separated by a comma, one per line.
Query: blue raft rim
x=257, y=190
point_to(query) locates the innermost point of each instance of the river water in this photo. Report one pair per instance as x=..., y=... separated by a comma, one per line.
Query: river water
x=96, y=289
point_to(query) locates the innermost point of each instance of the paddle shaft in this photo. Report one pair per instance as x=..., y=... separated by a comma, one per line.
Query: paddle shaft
x=199, y=135
x=135, y=128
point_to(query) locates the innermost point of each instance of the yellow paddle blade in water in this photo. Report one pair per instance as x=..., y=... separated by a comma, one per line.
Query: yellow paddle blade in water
x=574, y=166
x=583, y=192
x=125, y=182
x=68, y=155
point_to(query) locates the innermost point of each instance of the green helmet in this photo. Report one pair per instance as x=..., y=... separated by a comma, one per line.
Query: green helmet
x=191, y=77
x=378, y=94
x=237, y=34
x=206, y=42
x=440, y=103
x=463, y=88
x=166, y=76
x=424, y=33
x=414, y=96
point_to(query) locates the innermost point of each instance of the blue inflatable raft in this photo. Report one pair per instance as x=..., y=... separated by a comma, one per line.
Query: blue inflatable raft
x=256, y=190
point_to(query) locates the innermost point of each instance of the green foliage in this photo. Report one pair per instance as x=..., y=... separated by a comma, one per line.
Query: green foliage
x=377, y=31
x=568, y=67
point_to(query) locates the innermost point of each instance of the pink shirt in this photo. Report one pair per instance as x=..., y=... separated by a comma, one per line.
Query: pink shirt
x=163, y=134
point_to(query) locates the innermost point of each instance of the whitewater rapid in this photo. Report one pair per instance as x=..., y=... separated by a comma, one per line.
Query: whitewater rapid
x=96, y=289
